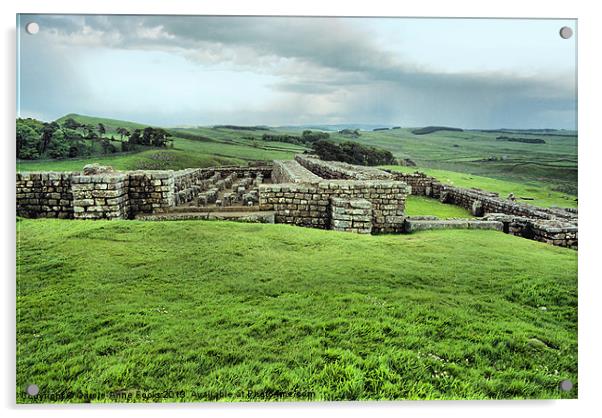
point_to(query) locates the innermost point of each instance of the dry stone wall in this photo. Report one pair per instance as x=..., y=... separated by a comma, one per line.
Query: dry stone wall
x=420, y=183
x=44, y=195
x=151, y=191
x=101, y=196
x=351, y=215
x=309, y=204
x=556, y=226
x=550, y=231
x=476, y=200
x=108, y=195
x=338, y=170
x=290, y=171
x=305, y=191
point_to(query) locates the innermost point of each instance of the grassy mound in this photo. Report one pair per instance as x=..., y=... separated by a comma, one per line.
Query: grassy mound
x=183, y=311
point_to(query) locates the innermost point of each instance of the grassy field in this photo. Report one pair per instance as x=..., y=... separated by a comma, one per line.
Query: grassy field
x=553, y=164
x=422, y=205
x=194, y=310
x=185, y=154
x=537, y=193
x=146, y=160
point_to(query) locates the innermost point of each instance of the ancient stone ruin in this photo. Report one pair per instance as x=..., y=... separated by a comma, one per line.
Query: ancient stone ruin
x=305, y=191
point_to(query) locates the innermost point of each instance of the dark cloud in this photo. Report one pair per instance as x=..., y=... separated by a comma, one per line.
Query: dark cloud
x=331, y=69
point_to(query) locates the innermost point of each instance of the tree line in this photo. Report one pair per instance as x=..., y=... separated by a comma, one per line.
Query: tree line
x=307, y=137
x=352, y=153
x=524, y=140
x=70, y=138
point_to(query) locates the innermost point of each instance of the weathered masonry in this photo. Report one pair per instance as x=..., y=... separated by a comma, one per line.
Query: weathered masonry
x=557, y=226
x=293, y=193
x=303, y=197
x=305, y=191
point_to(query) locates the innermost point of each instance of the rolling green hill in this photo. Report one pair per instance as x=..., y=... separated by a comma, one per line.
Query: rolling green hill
x=211, y=146
x=110, y=124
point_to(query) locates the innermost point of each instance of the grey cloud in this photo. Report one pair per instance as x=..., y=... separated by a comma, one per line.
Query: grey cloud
x=331, y=61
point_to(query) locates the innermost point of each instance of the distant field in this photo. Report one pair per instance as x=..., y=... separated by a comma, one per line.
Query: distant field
x=197, y=310
x=539, y=192
x=553, y=163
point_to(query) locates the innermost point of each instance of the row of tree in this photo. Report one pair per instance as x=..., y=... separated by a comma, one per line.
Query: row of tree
x=307, y=137
x=70, y=138
x=352, y=153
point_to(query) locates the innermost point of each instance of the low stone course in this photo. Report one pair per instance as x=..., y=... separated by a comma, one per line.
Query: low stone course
x=351, y=215
x=556, y=226
x=413, y=225
x=550, y=231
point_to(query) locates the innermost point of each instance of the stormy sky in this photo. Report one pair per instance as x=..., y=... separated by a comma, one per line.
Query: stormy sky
x=200, y=70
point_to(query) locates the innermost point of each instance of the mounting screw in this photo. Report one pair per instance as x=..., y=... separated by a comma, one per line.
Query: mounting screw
x=32, y=390
x=566, y=32
x=566, y=385
x=32, y=28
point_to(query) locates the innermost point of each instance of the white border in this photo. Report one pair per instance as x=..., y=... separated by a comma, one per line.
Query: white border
x=590, y=137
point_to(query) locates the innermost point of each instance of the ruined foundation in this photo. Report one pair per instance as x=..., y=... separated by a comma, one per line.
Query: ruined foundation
x=305, y=191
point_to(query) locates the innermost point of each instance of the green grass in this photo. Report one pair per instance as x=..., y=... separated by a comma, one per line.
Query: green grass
x=128, y=310
x=541, y=195
x=110, y=124
x=422, y=205
x=553, y=164
x=185, y=154
x=161, y=159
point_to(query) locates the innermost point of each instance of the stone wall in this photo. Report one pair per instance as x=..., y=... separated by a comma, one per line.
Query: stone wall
x=556, y=226
x=151, y=191
x=102, y=196
x=305, y=191
x=351, y=215
x=342, y=171
x=479, y=202
x=111, y=195
x=290, y=171
x=44, y=195
x=555, y=232
x=309, y=204
x=420, y=183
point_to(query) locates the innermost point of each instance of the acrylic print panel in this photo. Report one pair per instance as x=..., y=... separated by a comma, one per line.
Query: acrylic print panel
x=295, y=209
